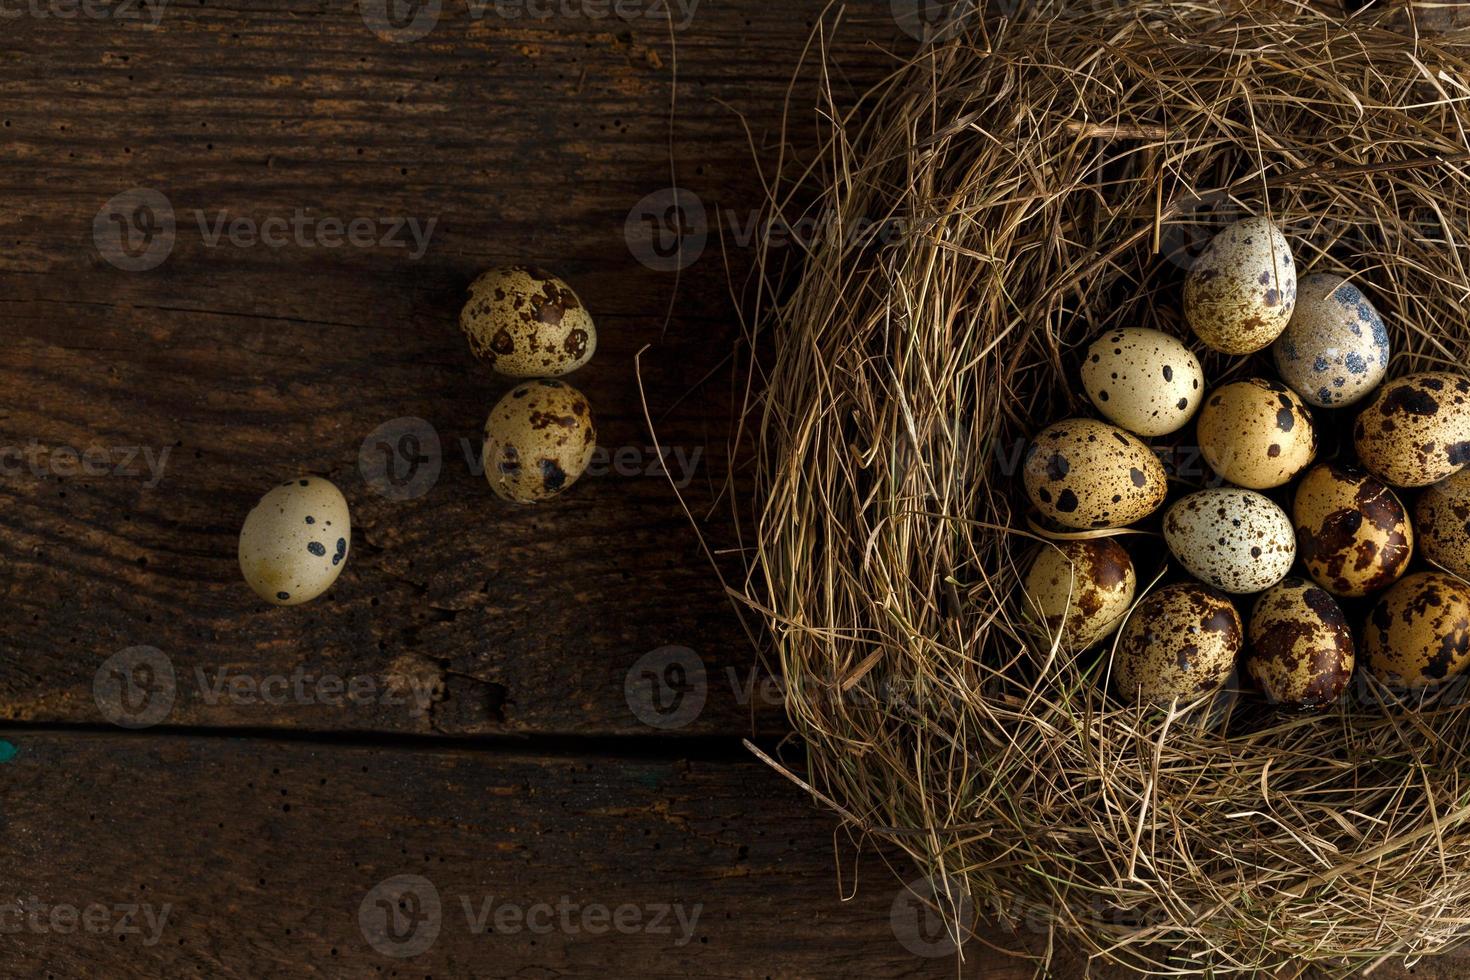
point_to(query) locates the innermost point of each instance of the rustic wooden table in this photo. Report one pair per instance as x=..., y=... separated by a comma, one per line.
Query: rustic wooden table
x=236, y=239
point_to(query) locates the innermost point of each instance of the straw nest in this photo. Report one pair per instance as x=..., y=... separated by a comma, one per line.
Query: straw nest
x=1025, y=183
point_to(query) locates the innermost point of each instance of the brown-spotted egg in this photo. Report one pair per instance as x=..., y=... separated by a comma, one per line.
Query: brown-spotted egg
x=539, y=439
x=294, y=543
x=1352, y=532
x=1143, y=380
x=1083, y=473
x=1416, y=430
x=526, y=323
x=1256, y=433
x=1301, y=649
x=1079, y=590
x=1335, y=349
x=1240, y=292
x=1418, y=634
x=1179, y=642
x=1442, y=518
x=1236, y=540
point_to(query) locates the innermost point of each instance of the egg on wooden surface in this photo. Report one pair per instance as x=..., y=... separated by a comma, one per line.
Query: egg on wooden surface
x=1179, y=642
x=527, y=323
x=1418, y=633
x=1240, y=292
x=1353, y=533
x=1256, y=433
x=1080, y=589
x=294, y=543
x=1416, y=430
x=539, y=439
x=1301, y=649
x=1442, y=518
x=1143, y=380
x=1083, y=473
x=1236, y=540
x=1335, y=349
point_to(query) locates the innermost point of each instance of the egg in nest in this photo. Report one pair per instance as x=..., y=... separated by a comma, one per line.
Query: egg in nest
x=1335, y=349
x=1353, y=533
x=294, y=542
x=1301, y=649
x=1080, y=589
x=1418, y=634
x=539, y=440
x=1256, y=433
x=1442, y=518
x=1241, y=290
x=1083, y=473
x=1180, y=642
x=1143, y=380
x=1236, y=540
x=1416, y=430
x=527, y=323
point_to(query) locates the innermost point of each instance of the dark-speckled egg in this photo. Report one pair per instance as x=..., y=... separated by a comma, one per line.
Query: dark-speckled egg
x=1180, y=642
x=1301, y=652
x=1335, y=349
x=1418, y=634
x=1236, y=540
x=1241, y=290
x=294, y=542
x=1442, y=518
x=1352, y=532
x=1416, y=431
x=1080, y=589
x=1256, y=433
x=539, y=439
x=1143, y=380
x=526, y=323
x=1083, y=473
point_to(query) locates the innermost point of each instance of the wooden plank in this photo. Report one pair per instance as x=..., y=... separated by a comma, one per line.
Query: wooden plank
x=198, y=384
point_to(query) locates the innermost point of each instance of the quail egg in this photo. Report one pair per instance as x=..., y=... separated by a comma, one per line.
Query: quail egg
x=1418, y=634
x=1179, y=642
x=294, y=543
x=1080, y=589
x=1236, y=540
x=1442, y=517
x=1301, y=649
x=1256, y=433
x=1352, y=532
x=526, y=323
x=1240, y=292
x=1143, y=380
x=1335, y=349
x=1086, y=474
x=1416, y=431
x=539, y=439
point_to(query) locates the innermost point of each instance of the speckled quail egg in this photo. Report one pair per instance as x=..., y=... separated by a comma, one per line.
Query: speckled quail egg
x=1418, y=634
x=1240, y=292
x=1179, y=642
x=1080, y=589
x=1236, y=540
x=527, y=323
x=294, y=543
x=1301, y=649
x=1256, y=433
x=1143, y=380
x=1352, y=532
x=1335, y=349
x=1086, y=474
x=539, y=439
x=1416, y=430
x=1442, y=518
